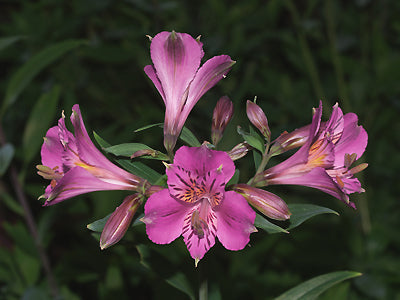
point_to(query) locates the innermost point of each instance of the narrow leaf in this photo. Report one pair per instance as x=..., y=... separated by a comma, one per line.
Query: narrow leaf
x=266, y=225
x=6, y=155
x=180, y=282
x=127, y=149
x=149, y=126
x=312, y=288
x=8, y=41
x=24, y=75
x=303, y=212
x=188, y=137
x=39, y=120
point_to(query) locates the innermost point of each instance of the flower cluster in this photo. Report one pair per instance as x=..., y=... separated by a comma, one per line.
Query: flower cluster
x=201, y=199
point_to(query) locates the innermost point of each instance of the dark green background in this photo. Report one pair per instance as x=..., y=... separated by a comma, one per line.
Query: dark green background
x=289, y=54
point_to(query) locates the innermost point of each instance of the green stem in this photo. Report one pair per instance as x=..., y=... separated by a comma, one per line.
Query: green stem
x=264, y=161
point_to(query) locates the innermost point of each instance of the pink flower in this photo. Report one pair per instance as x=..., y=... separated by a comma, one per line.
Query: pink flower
x=196, y=205
x=179, y=79
x=325, y=157
x=75, y=166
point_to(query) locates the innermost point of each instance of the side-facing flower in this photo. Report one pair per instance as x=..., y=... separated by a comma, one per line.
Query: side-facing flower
x=119, y=221
x=258, y=119
x=179, y=79
x=267, y=203
x=324, y=159
x=196, y=205
x=75, y=166
x=222, y=114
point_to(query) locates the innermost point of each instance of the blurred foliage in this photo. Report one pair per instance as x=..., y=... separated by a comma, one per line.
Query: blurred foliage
x=289, y=54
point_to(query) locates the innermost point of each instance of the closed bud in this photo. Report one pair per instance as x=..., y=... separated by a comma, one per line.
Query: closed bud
x=119, y=221
x=239, y=151
x=267, y=203
x=223, y=113
x=258, y=119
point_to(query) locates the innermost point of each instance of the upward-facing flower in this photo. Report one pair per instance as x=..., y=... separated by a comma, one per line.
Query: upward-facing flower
x=196, y=205
x=179, y=79
x=325, y=157
x=75, y=166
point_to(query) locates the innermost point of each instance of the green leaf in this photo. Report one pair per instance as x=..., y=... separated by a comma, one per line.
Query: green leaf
x=6, y=155
x=149, y=126
x=188, y=137
x=235, y=178
x=253, y=139
x=127, y=149
x=303, y=212
x=263, y=223
x=180, y=282
x=312, y=288
x=98, y=225
x=8, y=41
x=12, y=204
x=39, y=121
x=136, y=168
x=24, y=75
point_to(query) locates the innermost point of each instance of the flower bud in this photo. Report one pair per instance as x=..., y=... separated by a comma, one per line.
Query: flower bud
x=268, y=203
x=119, y=221
x=223, y=113
x=258, y=119
x=239, y=151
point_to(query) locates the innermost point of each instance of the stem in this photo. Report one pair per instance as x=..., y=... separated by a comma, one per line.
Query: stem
x=203, y=286
x=30, y=221
x=263, y=163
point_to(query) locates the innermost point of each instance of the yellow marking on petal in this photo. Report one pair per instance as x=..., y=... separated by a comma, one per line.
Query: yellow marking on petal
x=219, y=169
x=196, y=261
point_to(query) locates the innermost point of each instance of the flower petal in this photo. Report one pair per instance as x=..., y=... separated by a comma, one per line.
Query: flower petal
x=205, y=160
x=200, y=237
x=52, y=150
x=164, y=217
x=235, y=221
x=151, y=73
x=176, y=58
x=354, y=139
x=212, y=71
x=75, y=182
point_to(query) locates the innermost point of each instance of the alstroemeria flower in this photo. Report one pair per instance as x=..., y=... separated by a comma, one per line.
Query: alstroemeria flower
x=75, y=166
x=196, y=205
x=324, y=159
x=179, y=79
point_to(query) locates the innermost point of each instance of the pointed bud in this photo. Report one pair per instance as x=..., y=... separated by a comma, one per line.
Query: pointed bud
x=223, y=113
x=269, y=204
x=258, y=119
x=119, y=221
x=288, y=141
x=239, y=151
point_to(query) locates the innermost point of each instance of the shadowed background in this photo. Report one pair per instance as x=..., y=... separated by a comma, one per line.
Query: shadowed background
x=288, y=54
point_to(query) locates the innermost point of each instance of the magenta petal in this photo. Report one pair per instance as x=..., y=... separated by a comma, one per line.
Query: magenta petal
x=151, y=73
x=164, y=217
x=235, y=221
x=354, y=139
x=176, y=58
x=198, y=245
x=52, y=149
x=203, y=160
x=212, y=71
x=75, y=182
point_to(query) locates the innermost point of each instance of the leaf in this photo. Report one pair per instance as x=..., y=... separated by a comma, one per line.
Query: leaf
x=312, y=288
x=136, y=168
x=127, y=149
x=253, y=139
x=263, y=223
x=24, y=75
x=303, y=212
x=8, y=41
x=180, y=282
x=149, y=126
x=98, y=225
x=39, y=120
x=188, y=137
x=12, y=204
x=235, y=178
x=6, y=155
